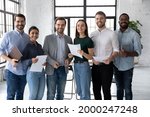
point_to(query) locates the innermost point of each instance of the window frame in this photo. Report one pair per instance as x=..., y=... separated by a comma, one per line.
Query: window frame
x=85, y=6
x=6, y=22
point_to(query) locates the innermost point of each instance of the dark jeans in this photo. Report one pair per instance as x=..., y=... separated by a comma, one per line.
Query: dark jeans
x=101, y=78
x=56, y=84
x=15, y=85
x=124, y=83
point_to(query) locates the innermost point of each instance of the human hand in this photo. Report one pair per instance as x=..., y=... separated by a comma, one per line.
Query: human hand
x=14, y=62
x=67, y=62
x=34, y=60
x=81, y=52
x=107, y=61
x=44, y=64
x=95, y=62
x=122, y=53
x=56, y=64
x=70, y=55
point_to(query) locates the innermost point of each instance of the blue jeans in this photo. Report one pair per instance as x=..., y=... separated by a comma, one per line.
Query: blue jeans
x=15, y=85
x=124, y=83
x=82, y=74
x=36, y=83
x=56, y=84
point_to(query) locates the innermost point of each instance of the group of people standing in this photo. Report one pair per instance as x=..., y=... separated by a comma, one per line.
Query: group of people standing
x=115, y=48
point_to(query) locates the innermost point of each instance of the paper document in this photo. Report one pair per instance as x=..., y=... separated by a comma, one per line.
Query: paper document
x=99, y=59
x=15, y=53
x=74, y=48
x=38, y=66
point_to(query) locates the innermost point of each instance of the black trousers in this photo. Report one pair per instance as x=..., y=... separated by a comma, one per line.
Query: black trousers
x=102, y=75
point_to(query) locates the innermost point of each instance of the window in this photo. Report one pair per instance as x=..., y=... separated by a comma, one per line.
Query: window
x=1, y=5
x=73, y=10
x=8, y=8
x=101, y=2
x=11, y=6
x=1, y=24
x=68, y=2
x=9, y=22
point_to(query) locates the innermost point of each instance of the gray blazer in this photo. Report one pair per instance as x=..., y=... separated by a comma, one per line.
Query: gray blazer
x=50, y=49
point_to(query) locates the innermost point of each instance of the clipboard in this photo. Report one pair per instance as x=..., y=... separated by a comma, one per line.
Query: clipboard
x=15, y=53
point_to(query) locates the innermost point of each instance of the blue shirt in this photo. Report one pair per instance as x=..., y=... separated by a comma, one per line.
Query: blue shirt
x=61, y=50
x=10, y=39
x=129, y=40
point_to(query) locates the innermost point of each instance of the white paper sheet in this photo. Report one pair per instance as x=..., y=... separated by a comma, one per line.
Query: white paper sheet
x=38, y=66
x=74, y=48
x=99, y=59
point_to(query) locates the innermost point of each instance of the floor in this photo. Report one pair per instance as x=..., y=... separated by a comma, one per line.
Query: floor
x=141, y=86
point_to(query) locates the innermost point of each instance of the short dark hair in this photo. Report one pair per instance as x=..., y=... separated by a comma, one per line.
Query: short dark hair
x=101, y=13
x=60, y=18
x=33, y=28
x=125, y=15
x=20, y=15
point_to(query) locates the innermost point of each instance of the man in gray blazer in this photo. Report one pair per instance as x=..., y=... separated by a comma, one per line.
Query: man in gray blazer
x=55, y=46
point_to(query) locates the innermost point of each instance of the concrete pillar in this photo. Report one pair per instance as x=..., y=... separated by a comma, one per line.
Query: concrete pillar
x=39, y=13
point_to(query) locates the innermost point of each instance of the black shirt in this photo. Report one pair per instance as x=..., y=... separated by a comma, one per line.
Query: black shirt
x=31, y=51
x=85, y=43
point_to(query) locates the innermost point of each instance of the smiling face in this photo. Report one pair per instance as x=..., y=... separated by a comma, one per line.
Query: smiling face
x=81, y=27
x=20, y=23
x=60, y=26
x=34, y=34
x=123, y=21
x=100, y=20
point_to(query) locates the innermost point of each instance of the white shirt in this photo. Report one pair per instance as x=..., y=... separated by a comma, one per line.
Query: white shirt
x=105, y=42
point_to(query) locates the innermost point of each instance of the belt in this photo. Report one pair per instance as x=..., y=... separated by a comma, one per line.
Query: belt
x=79, y=61
x=104, y=64
x=101, y=64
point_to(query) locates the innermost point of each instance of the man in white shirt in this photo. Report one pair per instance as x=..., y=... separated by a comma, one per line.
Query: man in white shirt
x=106, y=47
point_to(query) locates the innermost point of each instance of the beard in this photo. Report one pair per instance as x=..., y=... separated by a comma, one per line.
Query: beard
x=20, y=27
x=124, y=25
x=61, y=31
x=100, y=25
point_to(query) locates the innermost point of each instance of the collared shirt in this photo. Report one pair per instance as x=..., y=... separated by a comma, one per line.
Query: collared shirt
x=10, y=39
x=105, y=42
x=129, y=40
x=31, y=51
x=60, y=49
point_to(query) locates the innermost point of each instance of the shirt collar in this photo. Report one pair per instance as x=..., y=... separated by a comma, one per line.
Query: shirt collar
x=36, y=43
x=102, y=29
x=19, y=32
x=127, y=30
x=60, y=36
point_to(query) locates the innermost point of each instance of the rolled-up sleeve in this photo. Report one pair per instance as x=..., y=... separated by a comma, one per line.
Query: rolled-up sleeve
x=4, y=45
x=115, y=43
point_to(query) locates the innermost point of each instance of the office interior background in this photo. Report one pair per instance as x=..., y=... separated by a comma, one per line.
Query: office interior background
x=42, y=13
